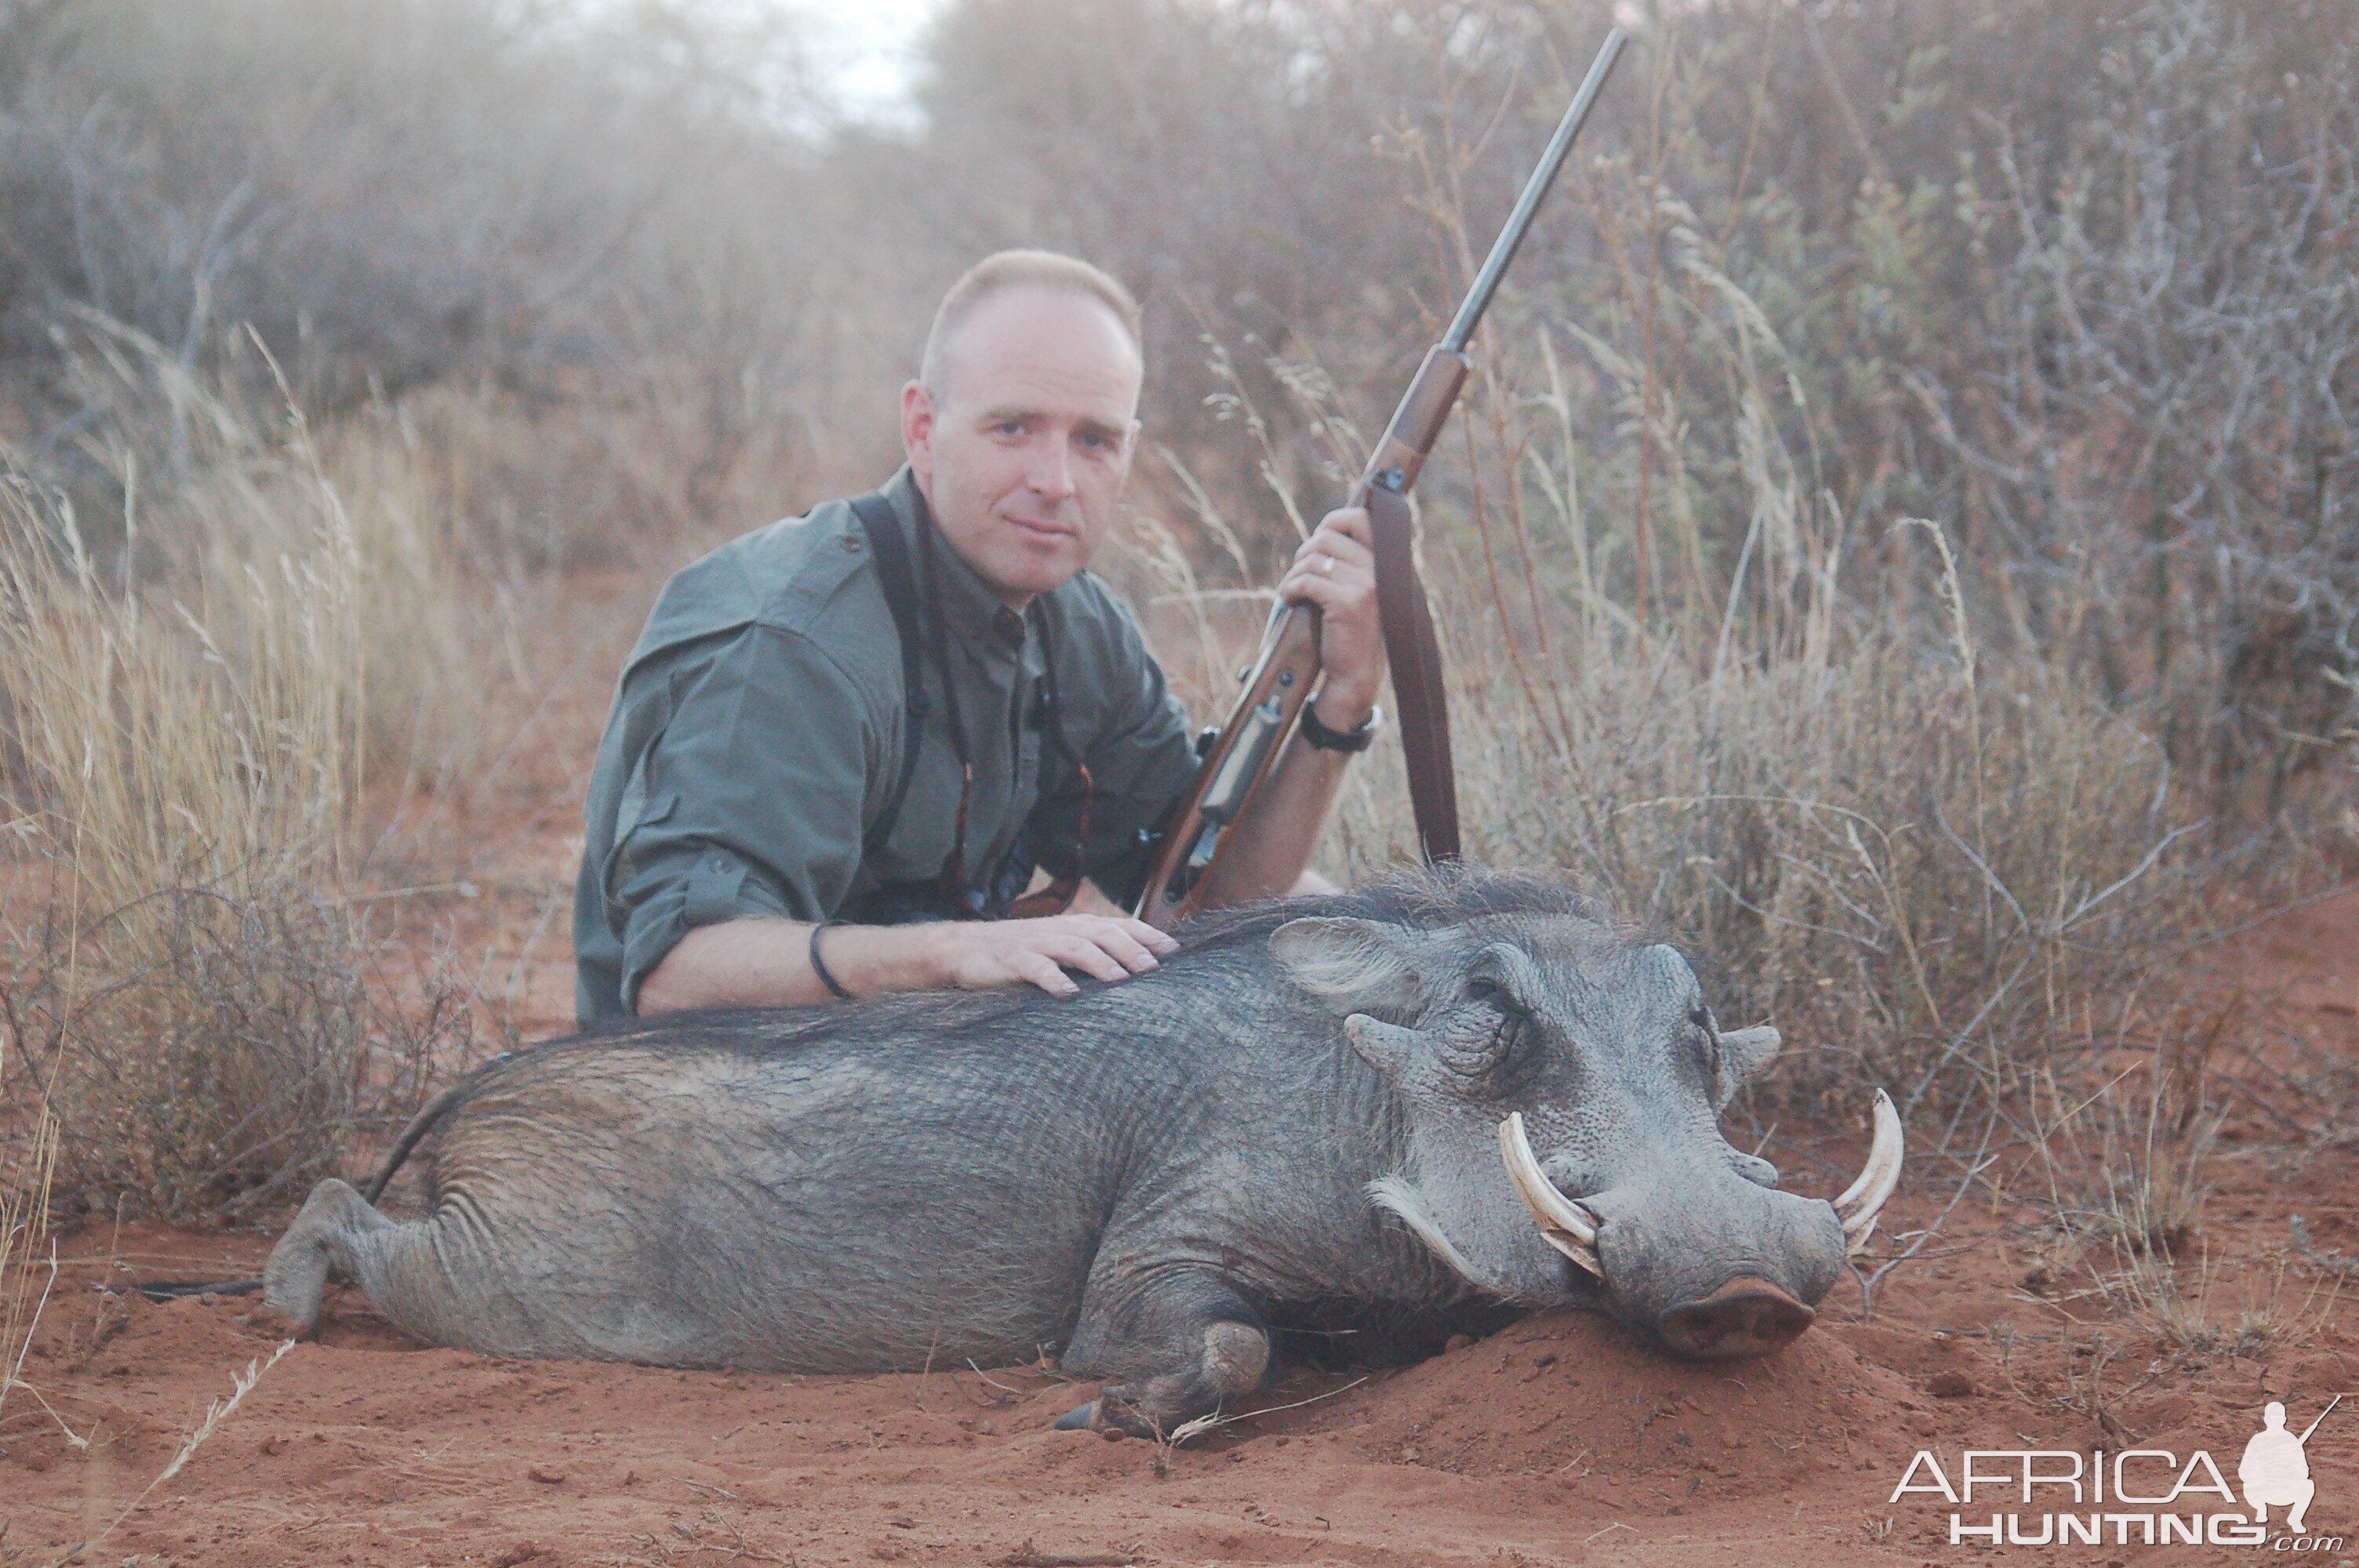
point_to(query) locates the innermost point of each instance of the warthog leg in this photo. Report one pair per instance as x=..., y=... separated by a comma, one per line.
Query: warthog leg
x=336, y=1227
x=401, y=1266
x=1188, y=1344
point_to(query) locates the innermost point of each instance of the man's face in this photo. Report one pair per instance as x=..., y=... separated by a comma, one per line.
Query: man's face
x=1023, y=448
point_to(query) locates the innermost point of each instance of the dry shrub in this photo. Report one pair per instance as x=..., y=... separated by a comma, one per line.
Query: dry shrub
x=187, y=731
x=2117, y=1157
x=208, y=1056
x=1928, y=886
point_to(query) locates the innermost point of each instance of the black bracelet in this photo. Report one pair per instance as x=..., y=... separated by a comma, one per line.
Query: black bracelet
x=1327, y=740
x=819, y=966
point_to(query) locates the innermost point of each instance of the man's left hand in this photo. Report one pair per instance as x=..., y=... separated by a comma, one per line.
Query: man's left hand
x=1336, y=570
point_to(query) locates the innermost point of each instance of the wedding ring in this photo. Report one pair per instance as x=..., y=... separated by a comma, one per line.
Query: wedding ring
x=1326, y=566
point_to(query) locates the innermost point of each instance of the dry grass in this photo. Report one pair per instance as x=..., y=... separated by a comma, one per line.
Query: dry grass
x=2118, y=1155
x=2267, y=1306
x=26, y=1172
x=217, y=1412
x=188, y=730
x=1938, y=876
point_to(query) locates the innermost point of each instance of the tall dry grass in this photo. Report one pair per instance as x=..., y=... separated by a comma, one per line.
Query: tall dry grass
x=1940, y=873
x=188, y=732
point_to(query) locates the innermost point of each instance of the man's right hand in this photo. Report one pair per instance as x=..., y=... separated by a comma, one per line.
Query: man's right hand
x=766, y=963
x=986, y=955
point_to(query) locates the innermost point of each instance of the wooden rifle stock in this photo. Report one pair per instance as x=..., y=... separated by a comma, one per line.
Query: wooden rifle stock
x=1286, y=670
x=1281, y=678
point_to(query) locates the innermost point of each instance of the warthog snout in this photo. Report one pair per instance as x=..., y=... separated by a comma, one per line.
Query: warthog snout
x=1743, y=1317
x=1715, y=1266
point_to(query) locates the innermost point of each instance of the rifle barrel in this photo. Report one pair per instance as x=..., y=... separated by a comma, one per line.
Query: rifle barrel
x=1536, y=189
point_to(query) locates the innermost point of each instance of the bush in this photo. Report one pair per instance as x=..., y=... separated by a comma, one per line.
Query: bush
x=186, y=739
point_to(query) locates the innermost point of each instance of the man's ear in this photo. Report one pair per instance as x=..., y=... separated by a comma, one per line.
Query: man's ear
x=1742, y=1054
x=1351, y=966
x=918, y=418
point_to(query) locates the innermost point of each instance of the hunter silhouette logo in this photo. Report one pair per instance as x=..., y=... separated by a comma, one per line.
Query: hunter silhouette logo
x=2132, y=1496
x=2275, y=1468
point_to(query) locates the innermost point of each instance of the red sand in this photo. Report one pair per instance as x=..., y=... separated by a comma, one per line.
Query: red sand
x=1555, y=1441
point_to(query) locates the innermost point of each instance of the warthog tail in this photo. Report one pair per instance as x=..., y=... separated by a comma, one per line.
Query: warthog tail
x=424, y=1123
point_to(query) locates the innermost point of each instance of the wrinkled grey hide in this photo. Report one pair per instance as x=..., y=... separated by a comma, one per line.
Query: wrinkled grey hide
x=1294, y=1120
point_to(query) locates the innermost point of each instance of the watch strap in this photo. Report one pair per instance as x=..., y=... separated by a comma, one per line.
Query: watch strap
x=1327, y=740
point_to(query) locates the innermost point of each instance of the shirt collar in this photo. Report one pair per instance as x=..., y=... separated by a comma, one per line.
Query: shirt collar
x=974, y=614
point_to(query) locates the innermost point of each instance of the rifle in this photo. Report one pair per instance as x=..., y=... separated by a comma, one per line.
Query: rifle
x=1238, y=756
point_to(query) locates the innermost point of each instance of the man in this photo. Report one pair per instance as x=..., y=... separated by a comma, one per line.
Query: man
x=760, y=832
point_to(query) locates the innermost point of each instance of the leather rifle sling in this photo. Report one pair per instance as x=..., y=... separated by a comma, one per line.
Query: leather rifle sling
x=1415, y=659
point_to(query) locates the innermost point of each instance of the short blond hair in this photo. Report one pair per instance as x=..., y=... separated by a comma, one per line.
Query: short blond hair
x=1004, y=270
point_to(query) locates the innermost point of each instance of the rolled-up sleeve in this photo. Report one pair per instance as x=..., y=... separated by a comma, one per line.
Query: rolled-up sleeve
x=741, y=807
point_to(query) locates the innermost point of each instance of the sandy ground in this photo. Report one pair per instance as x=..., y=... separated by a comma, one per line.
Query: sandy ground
x=1558, y=1440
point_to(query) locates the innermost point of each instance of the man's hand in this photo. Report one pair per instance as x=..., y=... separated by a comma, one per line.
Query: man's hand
x=986, y=955
x=1264, y=854
x=1336, y=570
x=766, y=963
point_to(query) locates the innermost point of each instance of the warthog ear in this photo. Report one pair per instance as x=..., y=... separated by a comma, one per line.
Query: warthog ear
x=1353, y=966
x=1742, y=1054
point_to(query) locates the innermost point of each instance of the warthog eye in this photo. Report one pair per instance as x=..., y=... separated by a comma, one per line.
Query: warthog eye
x=1704, y=1021
x=1513, y=1015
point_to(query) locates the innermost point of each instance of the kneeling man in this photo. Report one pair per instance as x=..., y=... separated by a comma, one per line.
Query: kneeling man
x=847, y=742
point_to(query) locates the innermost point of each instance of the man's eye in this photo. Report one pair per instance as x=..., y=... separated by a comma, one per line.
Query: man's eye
x=1010, y=427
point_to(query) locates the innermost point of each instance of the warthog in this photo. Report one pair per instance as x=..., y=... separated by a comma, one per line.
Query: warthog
x=1299, y=1119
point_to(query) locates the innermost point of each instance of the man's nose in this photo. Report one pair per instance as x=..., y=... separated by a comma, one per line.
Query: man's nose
x=1052, y=468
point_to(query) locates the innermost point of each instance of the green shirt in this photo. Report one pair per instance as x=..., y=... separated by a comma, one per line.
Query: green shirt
x=758, y=729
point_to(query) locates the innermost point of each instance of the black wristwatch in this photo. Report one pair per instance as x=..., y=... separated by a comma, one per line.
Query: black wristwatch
x=1327, y=740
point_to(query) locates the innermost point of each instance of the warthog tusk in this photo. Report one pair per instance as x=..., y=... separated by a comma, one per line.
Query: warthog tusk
x=1564, y=1223
x=1860, y=1202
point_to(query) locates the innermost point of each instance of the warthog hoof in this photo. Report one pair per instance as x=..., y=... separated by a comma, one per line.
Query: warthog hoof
x=1234, y=1357
x=1109, y=1413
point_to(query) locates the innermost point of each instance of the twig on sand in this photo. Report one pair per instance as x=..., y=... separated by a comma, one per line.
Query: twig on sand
x=1204, y=1423
x=1983, y=1160
x=38, y=1398
x=1178, y=1435
x=1030, y=1556
x=216, y=1413
x=15, y=1377
x=987, y=1377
